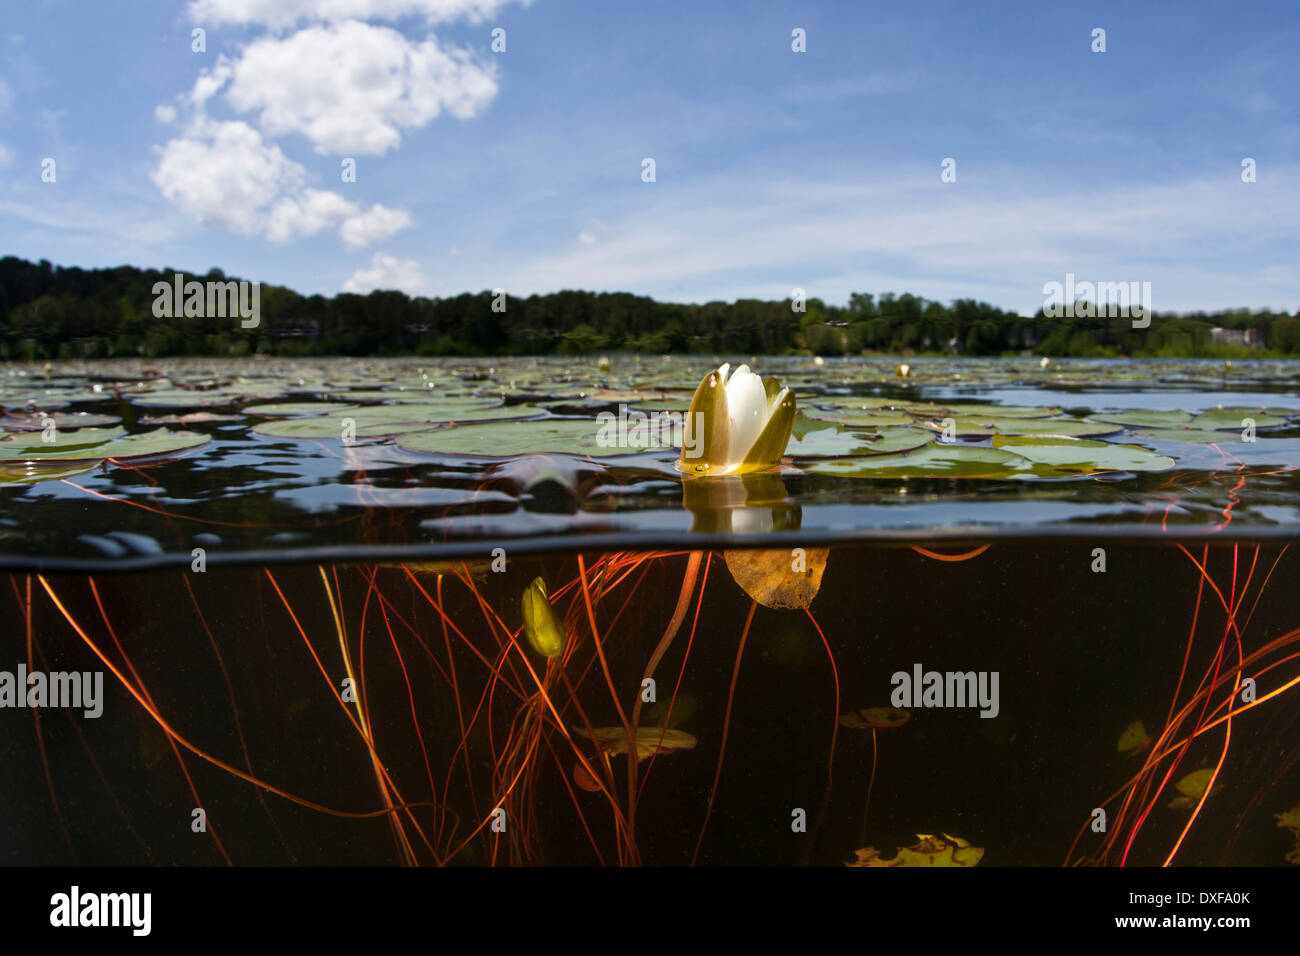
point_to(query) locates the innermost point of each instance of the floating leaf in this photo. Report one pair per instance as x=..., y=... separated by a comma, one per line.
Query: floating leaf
x=78, y=444
x=780, y=577
x=297, y=408
x=1144, y=418
x=930, y=851
x=564, y=436
x=1233, y=419
x=36, y=421
x=932, y=461
x=1086, y=456
x=842, y=442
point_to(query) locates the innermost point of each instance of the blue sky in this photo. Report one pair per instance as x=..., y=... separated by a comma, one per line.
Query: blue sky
x=773, y=169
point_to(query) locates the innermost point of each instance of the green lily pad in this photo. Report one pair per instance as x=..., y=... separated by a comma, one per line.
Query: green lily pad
x=1005, y=411
x=861, y=419
x=35, y=421
x=986, y=427
x=33, y=473
x=77, y=444
x=1197, y=435
x=1142, y=418
x=97, y=444
x=374, y=421
x=836, y=441
x=1231, y=419
x=558, y=436
x=1086, y=456
x=297, y=408
x=932, y=461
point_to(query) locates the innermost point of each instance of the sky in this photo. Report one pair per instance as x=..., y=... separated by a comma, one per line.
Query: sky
x=127, y=138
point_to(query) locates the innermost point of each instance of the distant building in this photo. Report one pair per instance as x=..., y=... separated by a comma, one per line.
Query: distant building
x=1248, y=337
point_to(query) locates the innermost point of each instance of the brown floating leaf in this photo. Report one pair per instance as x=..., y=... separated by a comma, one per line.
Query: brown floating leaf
x=780, y=577
x=877, y=717
x=930, y=851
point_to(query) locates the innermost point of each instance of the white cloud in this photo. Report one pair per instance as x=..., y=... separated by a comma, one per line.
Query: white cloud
x=835, y=235
x=374, y=225
x=225, y=174
x=306, y=214
x=352, y=87
x=285, y=13
x=164, y=113
x=389, y=272
x=6, y=155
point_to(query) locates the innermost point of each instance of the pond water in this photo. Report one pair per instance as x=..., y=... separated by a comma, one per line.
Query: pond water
x=303, y=588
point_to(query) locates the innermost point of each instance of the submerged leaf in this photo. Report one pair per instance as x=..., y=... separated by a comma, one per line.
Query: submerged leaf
x=929, y=851
x=542, y=628
x=875, y=718
x=1133, y=740
x=1191, y=787
x=780, y=577
x=649, y=740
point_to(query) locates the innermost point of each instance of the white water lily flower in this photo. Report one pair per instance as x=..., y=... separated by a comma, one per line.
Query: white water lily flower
x=737, y=422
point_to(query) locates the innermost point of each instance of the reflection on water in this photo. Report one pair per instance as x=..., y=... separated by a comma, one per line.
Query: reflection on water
x=385, y=713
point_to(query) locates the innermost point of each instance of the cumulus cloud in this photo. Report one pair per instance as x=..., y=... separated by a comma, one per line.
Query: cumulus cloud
x=225, y=174
x=352, y=87
x=374, y=225
x=278, y=14
x=389, y=272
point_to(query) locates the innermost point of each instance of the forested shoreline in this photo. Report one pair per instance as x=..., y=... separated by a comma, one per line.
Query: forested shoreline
x=52, y=312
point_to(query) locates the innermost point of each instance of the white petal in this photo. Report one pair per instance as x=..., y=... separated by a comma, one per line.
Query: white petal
x=747, y=411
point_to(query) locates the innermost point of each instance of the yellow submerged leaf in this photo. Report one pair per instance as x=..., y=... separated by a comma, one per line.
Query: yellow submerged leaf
x=877, y=717
x=1133, y=740
x=542, y=628
x=1290, y=819
x=649, y=740
x=780, y=577
x=929, y=851
x=1191, y=787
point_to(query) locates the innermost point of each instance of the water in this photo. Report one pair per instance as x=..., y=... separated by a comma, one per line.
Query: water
x=353, y=642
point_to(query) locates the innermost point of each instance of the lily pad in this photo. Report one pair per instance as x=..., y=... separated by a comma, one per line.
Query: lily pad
x=297, y=408
x=841, y=442
x=95, y=444
x=986, y=427
x=932, y=461
x=559, y=436
x=1087, y=456
x=35, y=421
x=373, y=421
x=1233, y=419
x=1143, y=418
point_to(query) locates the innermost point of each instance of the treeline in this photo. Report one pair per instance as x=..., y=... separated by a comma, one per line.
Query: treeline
x=49, y=312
